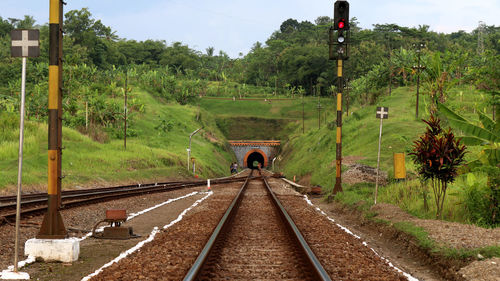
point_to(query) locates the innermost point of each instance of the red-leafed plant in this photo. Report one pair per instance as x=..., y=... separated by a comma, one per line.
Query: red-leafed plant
x=438, y=154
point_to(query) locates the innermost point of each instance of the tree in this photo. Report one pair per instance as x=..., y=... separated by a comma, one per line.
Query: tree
x=438, y=154
x=5, y=27
x=27, y=22
x=289, y=26
x=323, y=20
x=210, y=51
x=91, y=34
x=180, y=57
x=487, y=76
x=439, y=79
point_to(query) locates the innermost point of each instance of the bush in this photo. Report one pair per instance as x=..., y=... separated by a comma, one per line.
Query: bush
x=438, y=155
x=9, y=124
x=477, y=200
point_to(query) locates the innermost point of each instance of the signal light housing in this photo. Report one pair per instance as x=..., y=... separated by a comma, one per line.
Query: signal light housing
x=341, y=15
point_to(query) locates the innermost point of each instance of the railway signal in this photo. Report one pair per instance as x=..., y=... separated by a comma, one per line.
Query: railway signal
x=341, y=25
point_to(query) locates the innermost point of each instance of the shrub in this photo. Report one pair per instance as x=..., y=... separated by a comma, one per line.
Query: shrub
x=438, y=155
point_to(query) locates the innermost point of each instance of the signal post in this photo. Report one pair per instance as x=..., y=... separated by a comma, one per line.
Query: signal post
x=51, y=243
x=341, y=25
x=52, y=225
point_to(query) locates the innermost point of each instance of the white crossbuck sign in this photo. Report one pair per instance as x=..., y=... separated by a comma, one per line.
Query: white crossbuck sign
x=382, y=112
x=25, y=43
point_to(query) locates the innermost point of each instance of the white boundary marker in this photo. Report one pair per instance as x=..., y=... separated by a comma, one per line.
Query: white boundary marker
x=31, y=259
x=149, y=239
x=408, y=276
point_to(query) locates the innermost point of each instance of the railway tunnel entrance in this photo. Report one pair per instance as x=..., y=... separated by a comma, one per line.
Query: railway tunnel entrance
x=251, y=152
x=254, y=157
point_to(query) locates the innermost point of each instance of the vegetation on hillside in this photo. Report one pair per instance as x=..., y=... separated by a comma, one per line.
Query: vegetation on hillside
x=166, y=82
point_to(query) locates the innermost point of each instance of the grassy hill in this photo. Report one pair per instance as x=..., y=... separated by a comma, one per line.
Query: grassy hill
x=159, y=148
x=262, y=118
x=157, y=151
x=312, y=155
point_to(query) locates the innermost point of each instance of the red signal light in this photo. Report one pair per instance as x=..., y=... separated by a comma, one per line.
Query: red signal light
x=341, y=24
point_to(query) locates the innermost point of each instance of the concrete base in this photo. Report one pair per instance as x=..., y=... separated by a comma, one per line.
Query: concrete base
x=11, y=275
x=63, y=250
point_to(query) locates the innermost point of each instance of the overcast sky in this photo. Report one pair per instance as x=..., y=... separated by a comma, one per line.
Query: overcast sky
x=235, y=25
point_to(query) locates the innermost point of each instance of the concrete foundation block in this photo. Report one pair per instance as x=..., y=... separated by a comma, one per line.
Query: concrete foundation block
x=63, y=250
x=12, y=275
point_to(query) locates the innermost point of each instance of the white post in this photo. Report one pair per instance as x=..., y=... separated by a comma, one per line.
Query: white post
x=378, y=158
x=20, y=167
x=189, y=149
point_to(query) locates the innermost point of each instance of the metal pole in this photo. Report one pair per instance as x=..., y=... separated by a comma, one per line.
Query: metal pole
x=20, y=166
x=189, y=149
x=340, y=86
x=87, y=116
x=347, y=97
x=378, y=158
x=319, y=114
x=418, y=81
x=390, y=73
x=52, y=224
x=125, y=106
x=302, y=113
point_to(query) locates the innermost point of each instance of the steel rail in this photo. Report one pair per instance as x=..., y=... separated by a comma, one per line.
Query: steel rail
x=223, y=224
x=311, y=258
x=35, y=196
x=314, y=263
x=106, y=194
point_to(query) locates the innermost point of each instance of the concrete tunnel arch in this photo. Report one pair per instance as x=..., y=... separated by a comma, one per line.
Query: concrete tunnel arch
x=255, y=155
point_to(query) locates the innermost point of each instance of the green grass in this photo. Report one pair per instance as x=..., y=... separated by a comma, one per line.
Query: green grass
x=276, y=109
x=151, y=155
x=419, y=233
x=427, y=243
x=313, y=154
x=359, y=195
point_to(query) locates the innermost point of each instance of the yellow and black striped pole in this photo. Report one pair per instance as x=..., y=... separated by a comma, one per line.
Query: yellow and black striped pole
x=340, y=86
x=341, y=24
x=53, y=225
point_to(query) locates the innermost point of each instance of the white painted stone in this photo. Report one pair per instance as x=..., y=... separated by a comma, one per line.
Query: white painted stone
x=63, y=250
x=12, y=275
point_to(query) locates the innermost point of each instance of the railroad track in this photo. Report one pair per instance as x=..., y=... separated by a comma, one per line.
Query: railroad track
x=35, y=203
x=256, y=240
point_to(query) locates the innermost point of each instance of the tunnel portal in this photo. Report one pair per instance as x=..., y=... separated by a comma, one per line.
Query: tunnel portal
x=249, y=151
x=253, y=158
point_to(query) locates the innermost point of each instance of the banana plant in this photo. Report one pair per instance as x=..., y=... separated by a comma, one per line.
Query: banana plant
x=487, y=135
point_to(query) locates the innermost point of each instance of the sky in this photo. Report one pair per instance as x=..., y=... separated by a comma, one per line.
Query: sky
x=235, y=25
